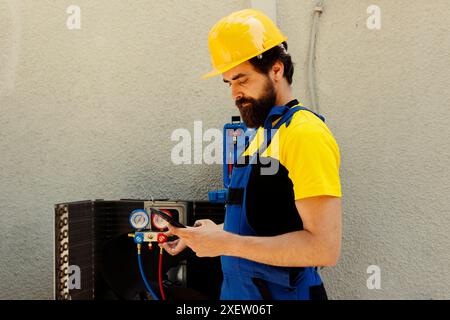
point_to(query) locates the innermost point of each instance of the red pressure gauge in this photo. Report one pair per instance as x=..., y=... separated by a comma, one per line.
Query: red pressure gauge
x=158, y=222
x=238, y=132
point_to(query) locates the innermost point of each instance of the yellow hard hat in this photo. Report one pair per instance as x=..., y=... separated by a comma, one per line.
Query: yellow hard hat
x=239, y=37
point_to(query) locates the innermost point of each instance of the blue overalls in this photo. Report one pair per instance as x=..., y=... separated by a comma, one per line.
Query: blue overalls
x=249, y=280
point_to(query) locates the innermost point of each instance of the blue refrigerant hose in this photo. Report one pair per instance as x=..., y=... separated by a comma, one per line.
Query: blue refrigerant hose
x=147, y=285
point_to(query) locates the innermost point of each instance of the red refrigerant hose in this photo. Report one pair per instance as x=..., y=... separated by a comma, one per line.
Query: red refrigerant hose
x=161, y=239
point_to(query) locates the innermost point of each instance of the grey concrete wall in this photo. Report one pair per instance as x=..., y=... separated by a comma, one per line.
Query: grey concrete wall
x=89, y=113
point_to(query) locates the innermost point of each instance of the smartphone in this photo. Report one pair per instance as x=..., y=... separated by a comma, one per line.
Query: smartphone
x=168, y=218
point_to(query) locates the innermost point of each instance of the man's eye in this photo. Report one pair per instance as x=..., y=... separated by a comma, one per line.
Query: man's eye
x=243, y=82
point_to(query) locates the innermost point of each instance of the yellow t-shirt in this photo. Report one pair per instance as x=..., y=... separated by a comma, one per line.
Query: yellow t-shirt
x=308, y=150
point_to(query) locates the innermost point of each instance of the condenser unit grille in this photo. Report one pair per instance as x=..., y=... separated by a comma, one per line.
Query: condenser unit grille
x=83, y=230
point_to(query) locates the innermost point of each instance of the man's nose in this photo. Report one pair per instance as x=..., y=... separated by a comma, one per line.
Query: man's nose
x=236, y=94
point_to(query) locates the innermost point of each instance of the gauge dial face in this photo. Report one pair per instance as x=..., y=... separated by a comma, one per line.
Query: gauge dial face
x=158, y=222
x=139, y=219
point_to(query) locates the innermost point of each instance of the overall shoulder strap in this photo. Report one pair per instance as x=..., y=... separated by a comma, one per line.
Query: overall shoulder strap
x=286, y=118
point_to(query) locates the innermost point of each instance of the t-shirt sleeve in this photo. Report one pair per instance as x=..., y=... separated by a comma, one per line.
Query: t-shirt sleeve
x=312, y=158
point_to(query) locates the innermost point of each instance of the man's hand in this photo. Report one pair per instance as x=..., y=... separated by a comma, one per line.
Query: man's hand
x=206, y=238
x=173, y=247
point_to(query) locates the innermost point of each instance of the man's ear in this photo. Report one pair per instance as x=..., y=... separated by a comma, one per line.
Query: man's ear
x=278, y=71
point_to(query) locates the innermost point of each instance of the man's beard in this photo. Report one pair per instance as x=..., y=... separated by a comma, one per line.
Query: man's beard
x=256, y=111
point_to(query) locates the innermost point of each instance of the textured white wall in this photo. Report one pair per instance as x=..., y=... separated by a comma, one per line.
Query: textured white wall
x=89, y=113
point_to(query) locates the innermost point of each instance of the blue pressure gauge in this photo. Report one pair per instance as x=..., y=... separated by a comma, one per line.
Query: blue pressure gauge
x=139, y=219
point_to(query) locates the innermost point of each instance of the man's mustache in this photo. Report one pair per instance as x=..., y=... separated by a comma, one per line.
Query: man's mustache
x=242, y=101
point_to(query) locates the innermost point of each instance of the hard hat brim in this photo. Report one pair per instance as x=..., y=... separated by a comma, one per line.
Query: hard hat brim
x=216, y=72
x=212, y=74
